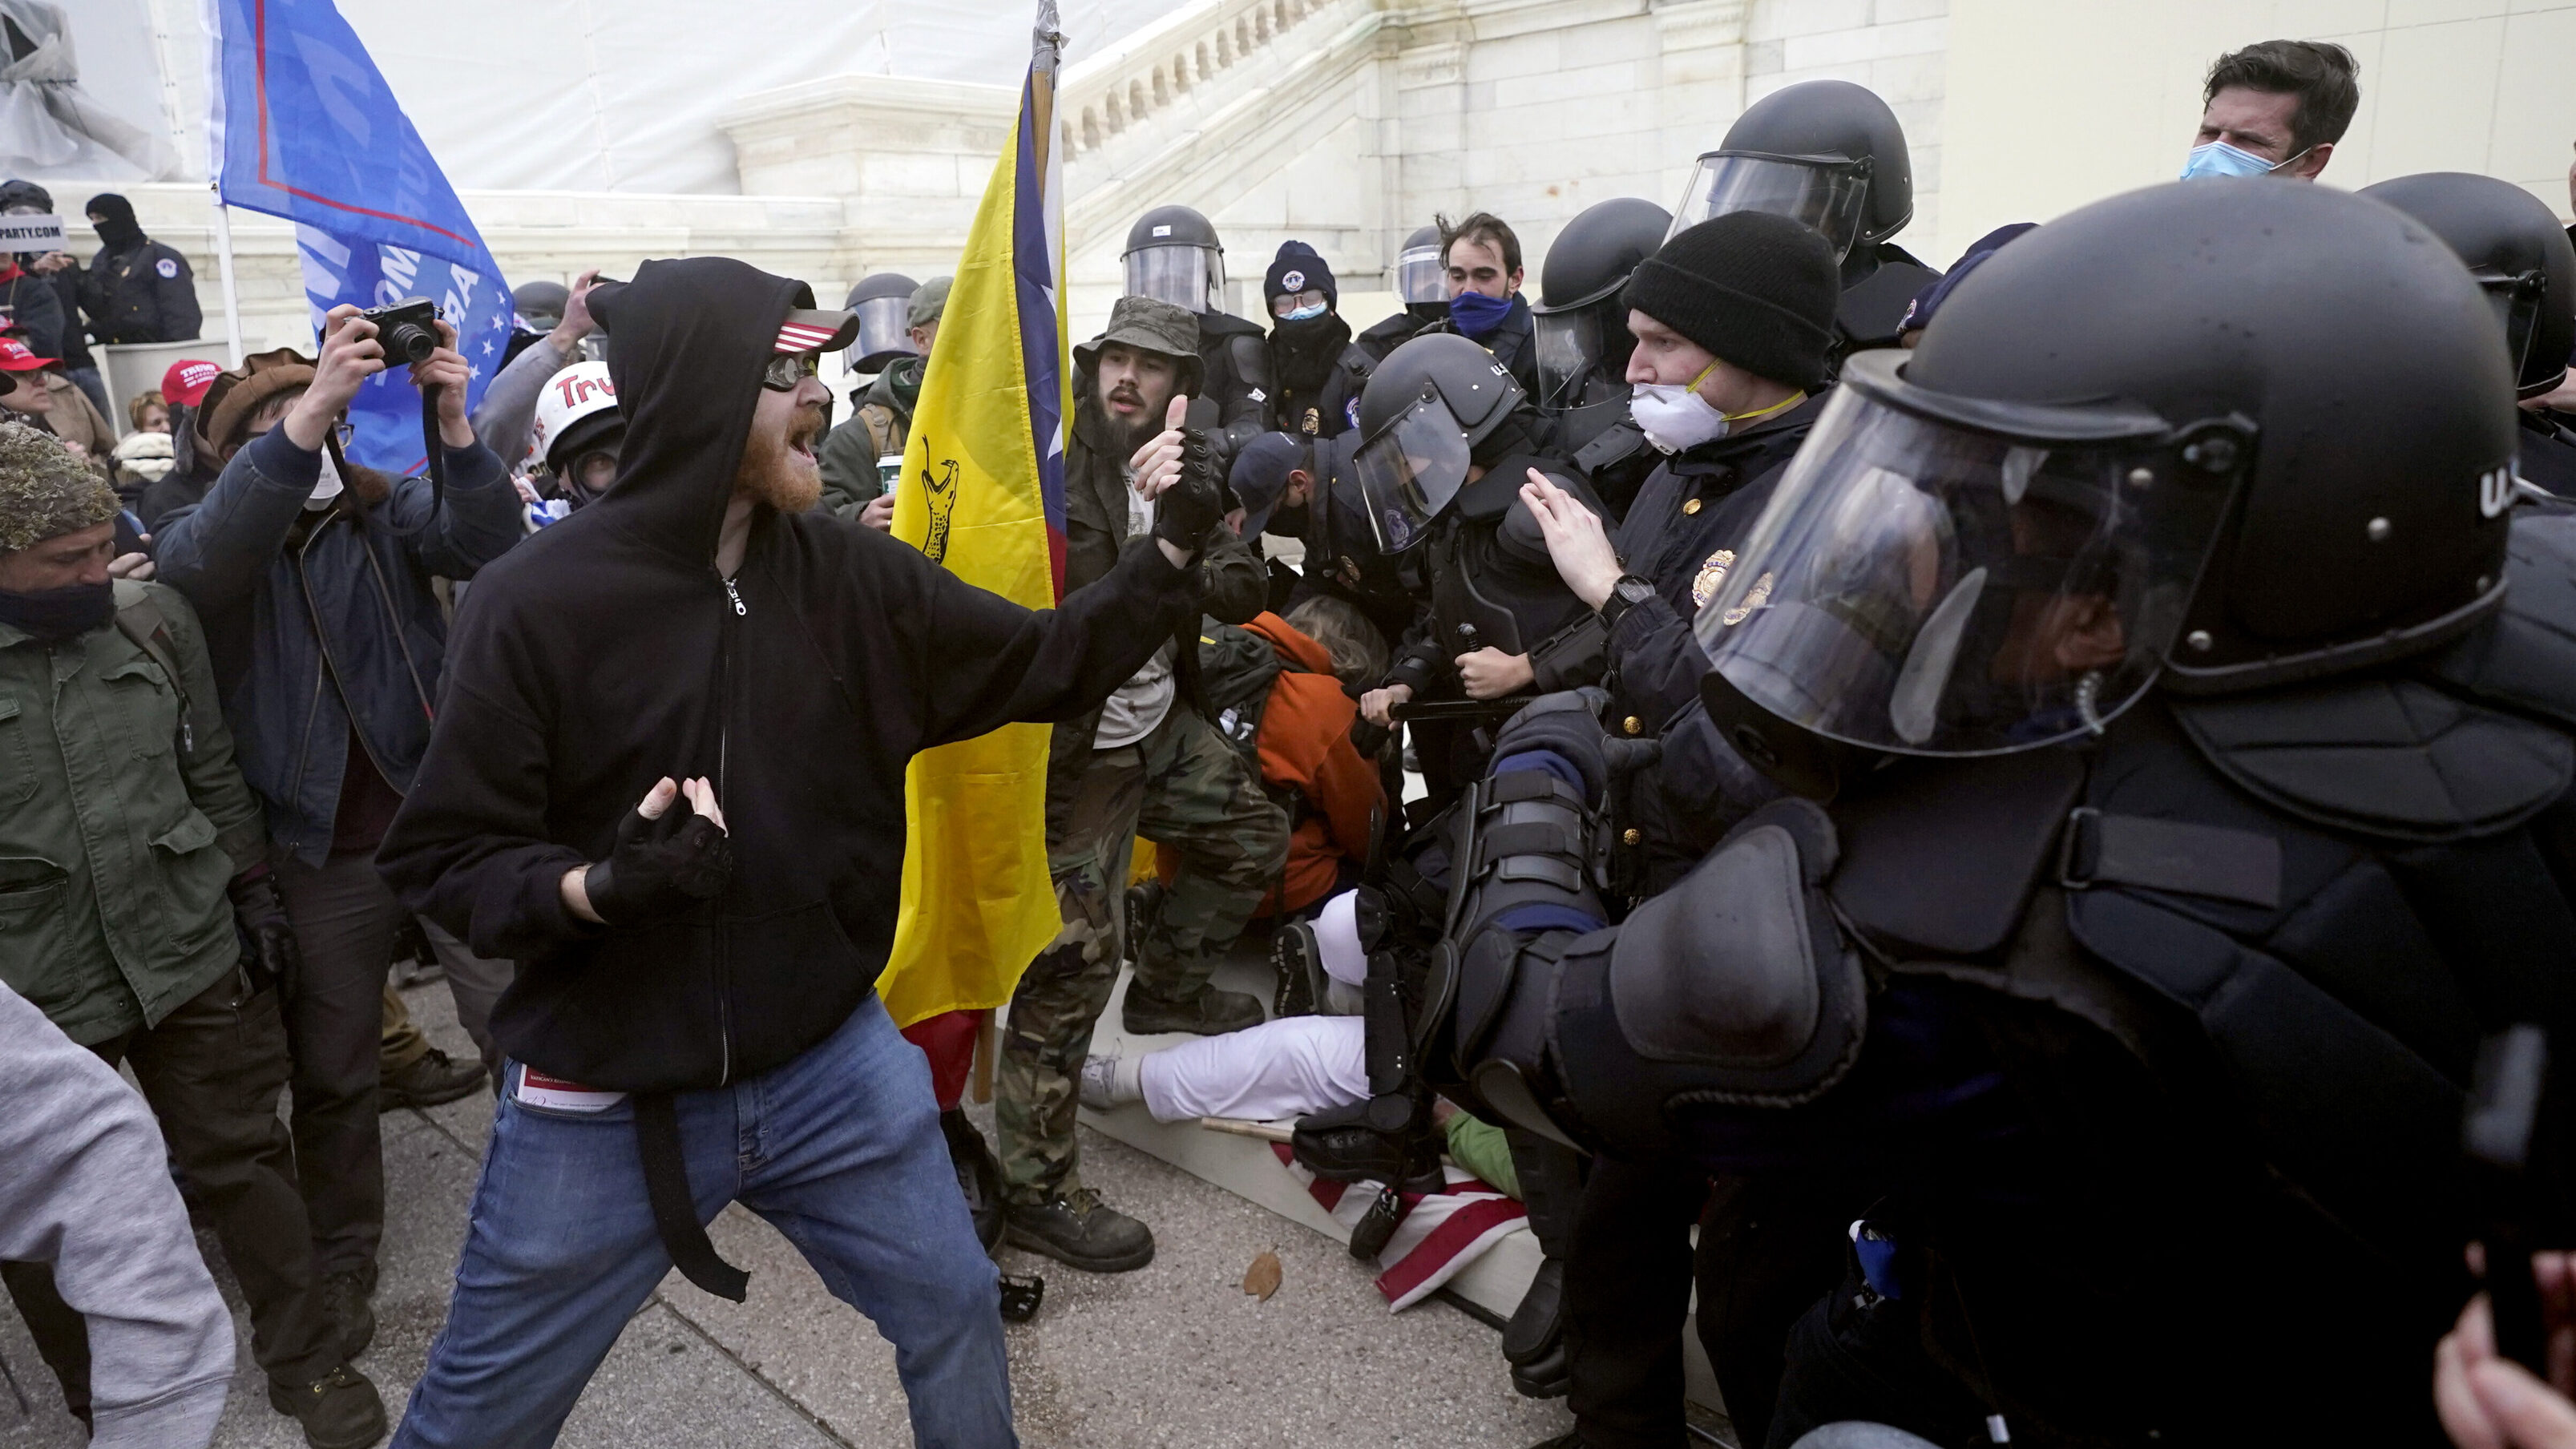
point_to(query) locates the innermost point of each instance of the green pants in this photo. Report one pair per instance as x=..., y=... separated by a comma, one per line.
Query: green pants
x=1184, y=788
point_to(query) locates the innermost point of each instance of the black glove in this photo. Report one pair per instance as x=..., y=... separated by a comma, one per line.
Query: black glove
x=270, y=952
x=1194, y=504
x=660, y=865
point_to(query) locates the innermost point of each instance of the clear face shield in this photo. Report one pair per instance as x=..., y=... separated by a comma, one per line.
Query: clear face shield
x=1933, y=587
x=1185, y=276
x=1420, y=278
x=884, y=331
x=1570, y=344
x=1410, y=470
x=1825, y=193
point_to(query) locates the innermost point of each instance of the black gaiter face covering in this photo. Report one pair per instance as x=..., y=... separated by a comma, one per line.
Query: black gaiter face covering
x=1305, y=351
x=53, y=615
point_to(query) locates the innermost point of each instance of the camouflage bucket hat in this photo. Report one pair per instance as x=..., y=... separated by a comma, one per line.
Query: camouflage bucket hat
x=1149, y=325
x=45, y=492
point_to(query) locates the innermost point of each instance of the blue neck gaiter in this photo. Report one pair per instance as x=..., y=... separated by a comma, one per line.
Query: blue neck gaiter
x=1477, y=314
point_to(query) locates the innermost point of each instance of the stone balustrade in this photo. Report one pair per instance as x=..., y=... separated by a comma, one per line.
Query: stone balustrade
x=1130, y=85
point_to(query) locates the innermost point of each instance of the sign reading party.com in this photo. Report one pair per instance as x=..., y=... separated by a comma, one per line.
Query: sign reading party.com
x=31, y=234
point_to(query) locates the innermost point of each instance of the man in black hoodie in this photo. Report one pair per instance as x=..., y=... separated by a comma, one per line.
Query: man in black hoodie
x=694, y=1020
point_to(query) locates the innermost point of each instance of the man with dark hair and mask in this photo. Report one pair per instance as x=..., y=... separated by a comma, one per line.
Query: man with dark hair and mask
x=2275, y=108
x=1317, y=372
x=1421, y=285
x=1580, y=329
x=136, y=289
x=1173, y=256
x=700, y=898
x=313, y=577
x=1480, y=263
x=2153, y=670
x=2526, y=266
x=1150, y=760
x=1831, y=154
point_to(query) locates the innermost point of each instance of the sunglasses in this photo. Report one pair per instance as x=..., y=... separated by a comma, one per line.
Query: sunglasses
x=786, y=369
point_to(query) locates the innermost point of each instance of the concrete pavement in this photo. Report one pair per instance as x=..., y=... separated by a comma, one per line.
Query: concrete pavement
x=1175, y=1354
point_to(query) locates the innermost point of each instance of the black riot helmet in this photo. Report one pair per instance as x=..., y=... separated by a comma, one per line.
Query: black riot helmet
x=1582, y=330
x=883, y=302
x=1173, y=255
x=2517, y=251
x=1421, y=277
x=1826, y=152
x=1427, y=413
x=2281, y=448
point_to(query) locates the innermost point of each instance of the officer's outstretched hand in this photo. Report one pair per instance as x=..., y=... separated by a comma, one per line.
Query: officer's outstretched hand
x=662, y=861
x=2488, y=1401
x=1576, y=542
x=1489, y=673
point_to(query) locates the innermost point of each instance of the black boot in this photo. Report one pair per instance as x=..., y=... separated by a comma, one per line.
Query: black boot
x=340, y=1410
x=1080, y=1232
x=1209, y=1013
x=345, y=1305
x=1534, y=1341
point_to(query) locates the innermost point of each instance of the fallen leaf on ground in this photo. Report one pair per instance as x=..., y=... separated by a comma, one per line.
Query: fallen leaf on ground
x=1262, y=1278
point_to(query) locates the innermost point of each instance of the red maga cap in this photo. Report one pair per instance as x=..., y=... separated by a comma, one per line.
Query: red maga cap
x=185, y=384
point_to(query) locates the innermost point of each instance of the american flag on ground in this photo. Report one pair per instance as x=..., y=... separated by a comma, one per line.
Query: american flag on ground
x=1441, y=1233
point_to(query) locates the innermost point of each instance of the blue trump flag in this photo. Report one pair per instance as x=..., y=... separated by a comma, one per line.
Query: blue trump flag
x=304, y=127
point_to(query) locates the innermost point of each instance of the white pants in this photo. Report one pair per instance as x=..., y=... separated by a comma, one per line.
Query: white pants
x=1283, y=1068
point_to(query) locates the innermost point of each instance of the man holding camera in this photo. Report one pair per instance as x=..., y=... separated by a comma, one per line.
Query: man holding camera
x=130, y=852
x=314, y=578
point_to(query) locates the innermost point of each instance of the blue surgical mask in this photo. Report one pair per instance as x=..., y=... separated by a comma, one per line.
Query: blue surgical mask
x=1305, y=314
x=2217, y=158
x=1476, y=314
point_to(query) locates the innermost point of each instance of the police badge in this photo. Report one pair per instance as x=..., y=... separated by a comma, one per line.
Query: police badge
x=1712, y=576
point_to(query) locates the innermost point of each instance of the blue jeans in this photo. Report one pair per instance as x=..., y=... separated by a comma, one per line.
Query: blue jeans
x=840, y=1150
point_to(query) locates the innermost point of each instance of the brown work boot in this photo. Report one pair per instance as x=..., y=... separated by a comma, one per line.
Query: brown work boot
x=431, y=1079
x=340, y=1410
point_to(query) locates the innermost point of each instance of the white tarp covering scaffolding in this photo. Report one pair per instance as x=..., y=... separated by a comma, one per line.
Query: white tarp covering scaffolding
x=581, y=95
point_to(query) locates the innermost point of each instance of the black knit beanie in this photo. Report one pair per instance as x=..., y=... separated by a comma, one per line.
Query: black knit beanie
x=1758, y=290
x=1298, y=260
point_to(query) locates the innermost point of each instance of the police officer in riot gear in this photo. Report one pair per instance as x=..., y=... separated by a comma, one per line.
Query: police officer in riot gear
x=1733, y=329
x=1447, y=438
x=1173, y=254
x=1583, y=343
x=2179, y=708
x=883, y=304
x=1831, y=154
x=1317, y=372
x=2525, y=264
x=1421, y=282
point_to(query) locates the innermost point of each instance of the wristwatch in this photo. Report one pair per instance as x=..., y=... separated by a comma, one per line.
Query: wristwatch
x=1626, y=594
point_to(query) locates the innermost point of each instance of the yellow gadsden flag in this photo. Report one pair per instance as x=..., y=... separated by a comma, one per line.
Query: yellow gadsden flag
x=983, y=495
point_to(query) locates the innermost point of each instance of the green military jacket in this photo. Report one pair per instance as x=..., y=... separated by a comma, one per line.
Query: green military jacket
x=122, y=820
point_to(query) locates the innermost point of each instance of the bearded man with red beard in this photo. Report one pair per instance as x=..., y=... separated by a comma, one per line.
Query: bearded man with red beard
x=694, y=1021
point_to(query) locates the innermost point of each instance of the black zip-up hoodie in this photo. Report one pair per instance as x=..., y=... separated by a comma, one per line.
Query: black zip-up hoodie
x=607, y=652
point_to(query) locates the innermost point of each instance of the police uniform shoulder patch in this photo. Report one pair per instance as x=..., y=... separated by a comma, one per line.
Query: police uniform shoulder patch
x=1712, y=576
x=1351, y=410
x=168, y=268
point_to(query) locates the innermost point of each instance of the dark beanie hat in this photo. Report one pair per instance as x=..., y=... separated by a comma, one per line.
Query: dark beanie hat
x=1758, y=290
x=1298, y=260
